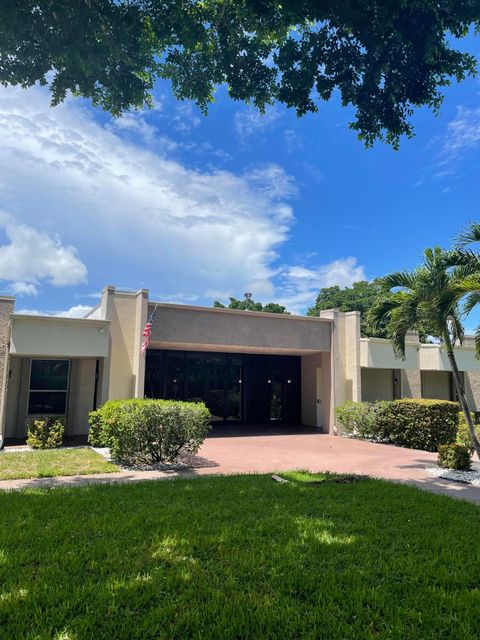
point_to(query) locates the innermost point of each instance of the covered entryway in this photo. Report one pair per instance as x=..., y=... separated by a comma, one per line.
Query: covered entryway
x=251, y=389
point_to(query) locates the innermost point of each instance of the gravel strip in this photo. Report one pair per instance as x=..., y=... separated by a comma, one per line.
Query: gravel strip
x=465, y=477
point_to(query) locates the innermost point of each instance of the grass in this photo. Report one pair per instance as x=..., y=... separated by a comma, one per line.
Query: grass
x=53, y=462
x=239, y=557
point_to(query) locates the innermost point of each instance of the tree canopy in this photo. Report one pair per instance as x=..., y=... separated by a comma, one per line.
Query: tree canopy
x=361, y=296
x=382, y=57
x=251, y=305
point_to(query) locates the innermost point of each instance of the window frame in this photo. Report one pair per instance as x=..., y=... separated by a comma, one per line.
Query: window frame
x=66, y=391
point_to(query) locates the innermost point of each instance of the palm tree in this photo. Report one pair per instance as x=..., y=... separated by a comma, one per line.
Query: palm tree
x=427, y=297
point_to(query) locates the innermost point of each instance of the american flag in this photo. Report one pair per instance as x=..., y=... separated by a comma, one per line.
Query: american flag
x=147, y=332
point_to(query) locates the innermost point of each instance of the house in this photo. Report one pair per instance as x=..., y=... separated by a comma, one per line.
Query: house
x=250, y=368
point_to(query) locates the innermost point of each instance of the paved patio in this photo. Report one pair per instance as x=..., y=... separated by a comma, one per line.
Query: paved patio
x=277, y=451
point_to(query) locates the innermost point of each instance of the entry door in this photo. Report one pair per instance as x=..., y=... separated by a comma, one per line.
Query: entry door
x=319, y=398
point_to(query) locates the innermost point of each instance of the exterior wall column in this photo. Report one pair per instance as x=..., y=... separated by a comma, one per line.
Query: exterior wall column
x=106, y=306
x=7, y=305
x=138, y=357
x=345, y=359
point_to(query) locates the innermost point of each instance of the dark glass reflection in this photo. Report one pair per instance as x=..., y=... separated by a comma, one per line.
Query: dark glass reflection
x=247, y=388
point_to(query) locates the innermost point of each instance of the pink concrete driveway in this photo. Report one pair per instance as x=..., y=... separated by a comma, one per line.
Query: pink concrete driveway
x=320, y=452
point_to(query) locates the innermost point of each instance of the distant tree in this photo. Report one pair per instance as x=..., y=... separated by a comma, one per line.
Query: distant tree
x=251, y=305
x=359, y=297
x=384, y=58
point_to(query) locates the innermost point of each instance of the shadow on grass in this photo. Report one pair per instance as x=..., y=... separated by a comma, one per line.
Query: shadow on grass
x=237, y=557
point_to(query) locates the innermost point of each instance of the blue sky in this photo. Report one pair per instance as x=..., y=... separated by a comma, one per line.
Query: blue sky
x=197, y=208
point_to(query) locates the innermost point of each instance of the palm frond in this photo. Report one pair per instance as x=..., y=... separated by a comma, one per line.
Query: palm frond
x=471, y=301
x=469, y=234
x=456, y=328
x=405, y=279
x=466, y=259
x=477, y=342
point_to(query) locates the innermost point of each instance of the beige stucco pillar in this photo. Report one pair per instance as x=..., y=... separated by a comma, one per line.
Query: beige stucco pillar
x=7, y=305
x=345, y=359
x=141, y=317
x=123, y=372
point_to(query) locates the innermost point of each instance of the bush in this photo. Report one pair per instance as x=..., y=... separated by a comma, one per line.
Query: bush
x=463, y=435
x=454, y=456
x=419, y=424
x=45, y=433
x=357, y=418
x=149, y=431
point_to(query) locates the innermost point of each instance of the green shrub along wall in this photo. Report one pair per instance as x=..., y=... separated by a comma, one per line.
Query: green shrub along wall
x=463, y=436
x=149, y=431
x=419, y=424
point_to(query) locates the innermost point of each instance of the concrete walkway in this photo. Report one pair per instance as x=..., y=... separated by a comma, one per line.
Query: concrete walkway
x=269, y=453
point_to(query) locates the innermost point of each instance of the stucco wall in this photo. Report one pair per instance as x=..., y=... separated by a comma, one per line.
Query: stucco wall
x=127, y=313
x=195, y=327
x=80, y=401
x=310, y=364
x=6, y=309
x=411, y=383
x=436, y=385
x=59, y=337
x=13, y=397
x=472, y=389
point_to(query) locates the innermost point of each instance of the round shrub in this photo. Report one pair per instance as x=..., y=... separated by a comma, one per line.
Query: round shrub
x=45, y=433
x=454, y=456
x=149, y=431
x=357, y=418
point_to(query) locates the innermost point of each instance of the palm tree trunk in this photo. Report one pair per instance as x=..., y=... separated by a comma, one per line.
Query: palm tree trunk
x=461, y=393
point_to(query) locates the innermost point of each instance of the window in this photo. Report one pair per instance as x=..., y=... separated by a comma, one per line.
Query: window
x=48, y=387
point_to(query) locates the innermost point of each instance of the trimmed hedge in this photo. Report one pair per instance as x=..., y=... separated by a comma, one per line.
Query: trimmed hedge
x=454, y=456
x=463, y=436
x=45, y=433
x=149, y=431
x=417, y=423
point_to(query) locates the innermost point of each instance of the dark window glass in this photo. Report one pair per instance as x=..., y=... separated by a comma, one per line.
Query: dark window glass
x=175, y=376
x=154, y=374
x=234, y=388
x=49, y=375
x=205, y=381
x=47, y=402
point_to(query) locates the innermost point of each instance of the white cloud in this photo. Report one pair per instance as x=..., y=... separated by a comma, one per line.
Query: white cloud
x=32, y=256
x=463, y=133
x=77, y=311
x=249, y=120
x=132, y=214
x=301, y=284
x=22, y=289
x=137, y=217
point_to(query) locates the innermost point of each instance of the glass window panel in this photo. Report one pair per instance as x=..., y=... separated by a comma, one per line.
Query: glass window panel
x=234, y=388
x=49, y=375
x=215, y=386
x=195, y=378
x=47, y=402
x=154, y=374
x=175, y=376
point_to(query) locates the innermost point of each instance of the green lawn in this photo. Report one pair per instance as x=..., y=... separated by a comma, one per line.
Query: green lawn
x=53, y=462
x=238, y=557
